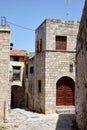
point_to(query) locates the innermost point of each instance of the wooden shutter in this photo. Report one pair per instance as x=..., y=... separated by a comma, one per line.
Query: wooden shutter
x=39, y=45
x=61, y=42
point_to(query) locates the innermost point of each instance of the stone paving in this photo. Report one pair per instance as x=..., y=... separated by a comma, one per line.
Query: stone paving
x=20, y=119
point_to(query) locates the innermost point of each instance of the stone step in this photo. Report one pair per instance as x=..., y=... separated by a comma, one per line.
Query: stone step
x=65, y=109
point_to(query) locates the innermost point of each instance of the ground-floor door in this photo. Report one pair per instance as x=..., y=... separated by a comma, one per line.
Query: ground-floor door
x=65, y=92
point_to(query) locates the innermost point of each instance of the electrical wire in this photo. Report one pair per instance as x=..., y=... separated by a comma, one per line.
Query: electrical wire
x=20, y=26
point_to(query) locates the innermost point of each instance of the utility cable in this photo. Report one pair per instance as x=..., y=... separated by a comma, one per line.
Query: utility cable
x=20, y=26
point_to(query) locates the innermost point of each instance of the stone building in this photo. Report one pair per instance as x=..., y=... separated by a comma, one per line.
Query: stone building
x=17, y=91
x=29, y=81
x=81, y=72
x=4, y=71
x=51, y=72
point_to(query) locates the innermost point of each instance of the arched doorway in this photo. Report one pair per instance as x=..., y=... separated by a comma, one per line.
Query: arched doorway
x=17, y=96
x=65, y=91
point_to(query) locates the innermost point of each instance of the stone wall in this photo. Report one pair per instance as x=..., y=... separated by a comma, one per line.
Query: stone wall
x=4, y=71
x=51, y=28
x=81, y=72
x=61, y=28
x=57, y=65
x=39, y=98
x=29, y=85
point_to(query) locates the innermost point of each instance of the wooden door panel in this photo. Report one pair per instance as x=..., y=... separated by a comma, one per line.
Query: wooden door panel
x=60, y=101
x=64, y=95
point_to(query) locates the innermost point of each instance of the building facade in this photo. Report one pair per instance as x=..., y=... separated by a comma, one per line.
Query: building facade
x=29, y=81
x=4, y=71
x=17, y=91
x=53, y=78
x=81, y=72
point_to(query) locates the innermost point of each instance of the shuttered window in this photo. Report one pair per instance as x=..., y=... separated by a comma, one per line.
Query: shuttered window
x=39, y=45
x=61, y=42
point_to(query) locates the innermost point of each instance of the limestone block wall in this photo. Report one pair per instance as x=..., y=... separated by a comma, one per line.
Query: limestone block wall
x=39, y=89
x=4, y=70
x=51, y=28
x=61, y=28
x=57, y=65
x=29, y=86
x=41, y=34
x=81, y=72
x=50, y=67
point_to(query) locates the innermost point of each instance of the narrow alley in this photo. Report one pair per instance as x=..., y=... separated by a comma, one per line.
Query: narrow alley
x=21, y=119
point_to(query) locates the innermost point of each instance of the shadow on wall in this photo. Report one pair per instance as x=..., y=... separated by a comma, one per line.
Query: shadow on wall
x=65, y=122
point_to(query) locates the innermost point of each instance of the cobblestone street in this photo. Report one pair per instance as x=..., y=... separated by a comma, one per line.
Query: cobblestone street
x=21, y=119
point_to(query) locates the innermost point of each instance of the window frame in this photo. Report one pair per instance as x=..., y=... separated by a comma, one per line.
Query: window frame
x=16, y=75
x=61, y=43
x=16, y=58
x=31, y=69
x=39, y=46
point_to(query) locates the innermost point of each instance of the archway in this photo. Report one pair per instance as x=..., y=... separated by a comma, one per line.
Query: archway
x=12, y=100
x=65, y=87
x=17, y=97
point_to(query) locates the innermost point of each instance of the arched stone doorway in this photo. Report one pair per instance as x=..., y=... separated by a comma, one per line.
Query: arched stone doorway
x=65, y=87
x=17, y=97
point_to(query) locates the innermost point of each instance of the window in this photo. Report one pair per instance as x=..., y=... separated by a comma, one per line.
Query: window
x=61, y=42
x=16, y=58
x=71, y=67
x=39, y=45
x=39, y=85
x=31, y=70
x=26, y=70
x=16, y=72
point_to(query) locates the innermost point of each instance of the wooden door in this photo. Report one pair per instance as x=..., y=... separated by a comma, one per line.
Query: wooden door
x=65, y=94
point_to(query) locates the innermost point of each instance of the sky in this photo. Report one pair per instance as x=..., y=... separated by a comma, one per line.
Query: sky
x=24, y=16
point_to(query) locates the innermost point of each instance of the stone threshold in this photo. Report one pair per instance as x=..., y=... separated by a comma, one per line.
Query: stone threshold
x=65, y=109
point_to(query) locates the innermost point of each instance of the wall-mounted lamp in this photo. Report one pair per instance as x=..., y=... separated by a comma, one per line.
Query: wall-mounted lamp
x=11, y=46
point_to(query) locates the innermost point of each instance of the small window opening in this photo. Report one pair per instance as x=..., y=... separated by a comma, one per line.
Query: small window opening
x=31, y=70
x=16, y=58
x=39, y=85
